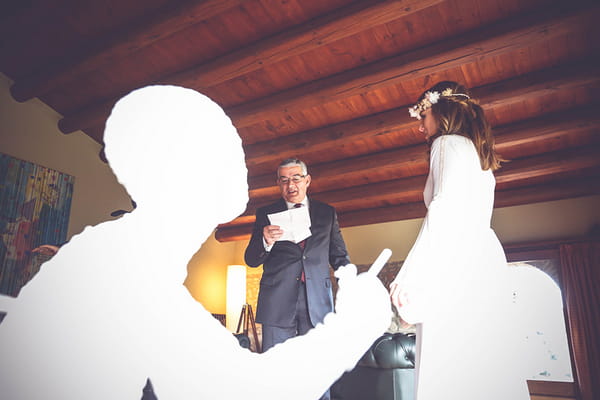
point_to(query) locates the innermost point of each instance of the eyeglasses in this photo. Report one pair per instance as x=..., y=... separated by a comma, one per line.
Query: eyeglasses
x=284, y=180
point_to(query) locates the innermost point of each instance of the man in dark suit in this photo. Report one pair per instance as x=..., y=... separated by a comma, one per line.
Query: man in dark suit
x=295, y=289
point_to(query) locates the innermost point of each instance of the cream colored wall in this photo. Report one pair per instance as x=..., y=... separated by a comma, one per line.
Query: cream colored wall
x=547, y=221
x=29, y=131
x=540, y=221
x=207, y=272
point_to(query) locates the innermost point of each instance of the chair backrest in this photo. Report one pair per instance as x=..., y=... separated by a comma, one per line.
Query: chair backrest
x=392, y=350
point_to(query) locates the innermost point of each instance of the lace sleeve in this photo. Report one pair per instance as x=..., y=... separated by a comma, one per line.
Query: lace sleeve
x=424, y=269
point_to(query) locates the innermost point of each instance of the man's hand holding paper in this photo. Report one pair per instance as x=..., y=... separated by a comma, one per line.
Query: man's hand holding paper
x=295, y=224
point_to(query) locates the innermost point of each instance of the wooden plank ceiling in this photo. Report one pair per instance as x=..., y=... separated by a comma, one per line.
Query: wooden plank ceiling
x=330, y=81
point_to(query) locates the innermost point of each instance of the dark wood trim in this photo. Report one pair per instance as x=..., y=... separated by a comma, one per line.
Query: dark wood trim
x=529, y=255
x=550, y=249
x=552, y=389
x=542, y=247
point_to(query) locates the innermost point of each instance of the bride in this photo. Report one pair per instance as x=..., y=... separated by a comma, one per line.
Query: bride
x=454, y=284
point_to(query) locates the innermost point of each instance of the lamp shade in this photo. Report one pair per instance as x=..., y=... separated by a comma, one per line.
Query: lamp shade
x=236, y=295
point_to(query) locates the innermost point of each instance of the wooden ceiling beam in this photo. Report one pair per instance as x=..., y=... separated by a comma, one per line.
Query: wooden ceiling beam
x=577, y=74
x=319, y=32
x=548, y=192
x=454, y=52
x=582, y=73
x=575, y=128
x=406, y=158
x=513, y=91
x=500, y=39
x=90, y=117
x=557, y=162
x=397, y=190
x=415, y=158
x=505, y=198
x=382, y=214
x=18, y=14
x=408, y=189
x=147, y=30
x=328, y=137
x=549, y=133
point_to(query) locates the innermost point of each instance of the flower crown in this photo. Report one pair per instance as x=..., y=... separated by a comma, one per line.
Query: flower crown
x=430, y=99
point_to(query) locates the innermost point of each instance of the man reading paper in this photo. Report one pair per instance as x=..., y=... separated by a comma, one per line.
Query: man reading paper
x=295, y=289
x=294, y=223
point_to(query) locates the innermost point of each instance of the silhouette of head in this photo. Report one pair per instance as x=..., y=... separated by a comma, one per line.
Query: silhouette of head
x=176, y=151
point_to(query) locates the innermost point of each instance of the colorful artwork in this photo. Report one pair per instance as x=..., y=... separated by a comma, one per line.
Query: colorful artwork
x=35, y=204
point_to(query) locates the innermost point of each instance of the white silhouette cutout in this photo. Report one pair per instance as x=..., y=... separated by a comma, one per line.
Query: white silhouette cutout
x=110, y=310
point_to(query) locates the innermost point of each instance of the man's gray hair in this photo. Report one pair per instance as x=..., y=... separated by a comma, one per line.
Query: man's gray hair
x=289, y=162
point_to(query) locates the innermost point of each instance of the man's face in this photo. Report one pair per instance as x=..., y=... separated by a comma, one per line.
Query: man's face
x=292, y=183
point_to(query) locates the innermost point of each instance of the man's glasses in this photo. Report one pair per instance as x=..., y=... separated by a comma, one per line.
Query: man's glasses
x=284, y=180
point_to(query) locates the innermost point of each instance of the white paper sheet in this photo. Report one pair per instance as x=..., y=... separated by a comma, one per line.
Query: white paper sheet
x=294, y=222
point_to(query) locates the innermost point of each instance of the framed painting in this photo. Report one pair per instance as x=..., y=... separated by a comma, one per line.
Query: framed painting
x=35, y=203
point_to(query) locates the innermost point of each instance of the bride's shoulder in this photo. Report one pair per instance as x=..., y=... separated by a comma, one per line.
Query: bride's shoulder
x=451, y=140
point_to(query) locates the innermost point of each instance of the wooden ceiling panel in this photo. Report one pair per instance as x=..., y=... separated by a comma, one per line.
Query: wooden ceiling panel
x=162, y=60
x=387, y=72
x=316, y=53
x=117, y=43
x=42, y=39
x=259, y=110
x=543, y=88
x=331, y=137
x=573, y=128
x=330, y=82
x=590, y=174
x=549, y=166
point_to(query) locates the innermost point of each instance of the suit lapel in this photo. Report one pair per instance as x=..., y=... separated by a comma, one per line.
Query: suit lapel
x=313, y=209
x=279, y=206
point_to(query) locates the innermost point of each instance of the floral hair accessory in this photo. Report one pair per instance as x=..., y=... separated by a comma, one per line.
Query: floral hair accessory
x=430, y=99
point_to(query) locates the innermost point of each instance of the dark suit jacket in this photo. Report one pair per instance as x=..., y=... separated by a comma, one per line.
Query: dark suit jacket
x=282, y=266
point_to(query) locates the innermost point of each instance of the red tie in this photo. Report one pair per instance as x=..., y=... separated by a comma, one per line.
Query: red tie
x=301, y=244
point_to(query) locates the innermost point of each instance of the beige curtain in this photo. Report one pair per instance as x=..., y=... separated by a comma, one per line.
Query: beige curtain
x=580, y=276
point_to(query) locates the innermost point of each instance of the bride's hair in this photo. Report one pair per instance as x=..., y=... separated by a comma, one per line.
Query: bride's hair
x=457, y=113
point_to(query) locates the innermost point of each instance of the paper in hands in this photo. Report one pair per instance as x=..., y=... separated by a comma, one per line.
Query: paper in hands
x=295, y=223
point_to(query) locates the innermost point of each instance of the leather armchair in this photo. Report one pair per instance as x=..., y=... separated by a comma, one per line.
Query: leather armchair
x=386, y=371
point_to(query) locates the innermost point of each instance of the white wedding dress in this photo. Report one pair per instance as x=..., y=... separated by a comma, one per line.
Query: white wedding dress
x=456, y=286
